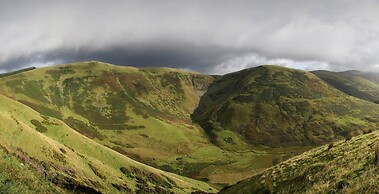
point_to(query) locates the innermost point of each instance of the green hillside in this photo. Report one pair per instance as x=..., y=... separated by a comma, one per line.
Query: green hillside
x=43, y=154
x=252, y=119
x=347, y=167
x=361, y=85
x=277, y=106
x=141, y=113
x=131, y=110
x=102, y=93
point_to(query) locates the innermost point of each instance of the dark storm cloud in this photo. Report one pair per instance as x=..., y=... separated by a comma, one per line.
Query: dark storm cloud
x=208, y=36
x=183, y=56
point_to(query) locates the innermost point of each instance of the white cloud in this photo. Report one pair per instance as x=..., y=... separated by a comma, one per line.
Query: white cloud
x=341, y=33
x=253, y=60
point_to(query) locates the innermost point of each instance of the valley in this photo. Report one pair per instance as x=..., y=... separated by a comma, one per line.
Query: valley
x=189, y=97
x=216, y=130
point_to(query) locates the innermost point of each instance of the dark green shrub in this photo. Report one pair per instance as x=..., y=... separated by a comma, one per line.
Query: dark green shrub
x=119, y=150
x=124, y=170
x=330, y=146
x=132, y=127
x=39, y=127
x=342, y=185
x=369, y=131
x=86, y=129
x=62, y=150
x=35, y=122
x=348, y=137
x=276, y=161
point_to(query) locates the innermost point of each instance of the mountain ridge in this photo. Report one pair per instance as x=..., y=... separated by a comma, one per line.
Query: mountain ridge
x=156, y=115
x=289, y=99
x=354, y=83
x=141, y=113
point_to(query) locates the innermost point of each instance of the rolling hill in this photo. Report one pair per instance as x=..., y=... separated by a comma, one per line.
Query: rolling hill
x=142, y=113
x=277, y=106
x=347, y=167
x=217, y=129
x=120, y=107
x=43, y=155
x=361, y=85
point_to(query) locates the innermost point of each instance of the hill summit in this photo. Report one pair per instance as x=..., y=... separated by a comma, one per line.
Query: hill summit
x=277, y=106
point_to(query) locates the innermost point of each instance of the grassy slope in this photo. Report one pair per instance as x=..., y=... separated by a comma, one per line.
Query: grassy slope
x=15, y=177
x=144, y=114
x=37, y=151
x=348, y=167
x=154, y=105
x=134, y=111
x=276, y=106
x=360, y=85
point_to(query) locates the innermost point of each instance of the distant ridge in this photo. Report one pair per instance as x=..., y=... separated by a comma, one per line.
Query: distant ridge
x=17, y=71
x=354, y=83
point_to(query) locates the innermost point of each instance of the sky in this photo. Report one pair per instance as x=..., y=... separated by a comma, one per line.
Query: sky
x=210, y=36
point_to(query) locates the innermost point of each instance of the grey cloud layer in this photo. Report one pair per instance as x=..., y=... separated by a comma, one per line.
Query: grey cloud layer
x=209, y=36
